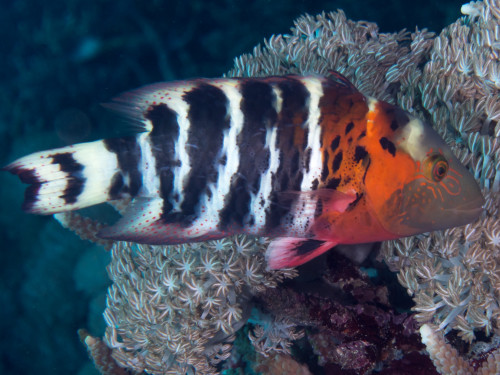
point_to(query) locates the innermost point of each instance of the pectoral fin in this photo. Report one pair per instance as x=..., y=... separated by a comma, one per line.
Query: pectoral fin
x=307, y=202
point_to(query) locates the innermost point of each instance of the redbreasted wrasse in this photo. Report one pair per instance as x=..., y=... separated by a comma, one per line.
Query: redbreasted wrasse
x=308, y=161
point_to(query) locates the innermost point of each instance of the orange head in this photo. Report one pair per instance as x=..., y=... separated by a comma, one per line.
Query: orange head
x=414, y=183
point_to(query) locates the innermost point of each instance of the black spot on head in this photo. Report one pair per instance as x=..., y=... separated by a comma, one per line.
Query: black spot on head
x=394, y=125
x=400, y=117
x=223, y=160
x=337, y=161
x=363, y=134
x=349, y=127
x=359, y=153
x=335, y=143
x=388, y=146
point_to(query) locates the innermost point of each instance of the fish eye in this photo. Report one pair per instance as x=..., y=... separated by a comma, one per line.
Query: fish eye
x=436, y=167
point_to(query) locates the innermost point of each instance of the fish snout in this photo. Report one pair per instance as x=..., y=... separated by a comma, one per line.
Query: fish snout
x=420, y=207
x=445, y=209
x=471, y=209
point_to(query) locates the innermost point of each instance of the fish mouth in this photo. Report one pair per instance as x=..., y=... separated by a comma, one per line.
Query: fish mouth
x=470, y=208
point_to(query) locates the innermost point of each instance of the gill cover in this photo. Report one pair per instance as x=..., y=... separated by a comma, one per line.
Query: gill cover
x=427, y=189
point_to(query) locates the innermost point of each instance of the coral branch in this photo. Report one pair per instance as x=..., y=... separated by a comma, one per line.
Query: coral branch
x=449, y=362
x=101, y=355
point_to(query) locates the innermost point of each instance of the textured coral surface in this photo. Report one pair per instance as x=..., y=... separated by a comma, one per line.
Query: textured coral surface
x=63, y=58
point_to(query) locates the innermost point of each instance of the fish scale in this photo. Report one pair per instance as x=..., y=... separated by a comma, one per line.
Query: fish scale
x=306, y=160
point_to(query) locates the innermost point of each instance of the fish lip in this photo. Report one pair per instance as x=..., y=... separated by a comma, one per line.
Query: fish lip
x=473, y=207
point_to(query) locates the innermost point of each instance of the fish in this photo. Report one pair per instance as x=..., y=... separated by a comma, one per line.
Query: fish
x=308, y=161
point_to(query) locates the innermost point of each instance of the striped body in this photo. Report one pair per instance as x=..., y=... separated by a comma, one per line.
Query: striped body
x=286, y=157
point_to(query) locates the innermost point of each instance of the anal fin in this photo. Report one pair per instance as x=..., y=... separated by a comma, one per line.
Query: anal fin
x=285, y=252
x=142, y=223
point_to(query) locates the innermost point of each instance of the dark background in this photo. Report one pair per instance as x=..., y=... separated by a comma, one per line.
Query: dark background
x=59, y=61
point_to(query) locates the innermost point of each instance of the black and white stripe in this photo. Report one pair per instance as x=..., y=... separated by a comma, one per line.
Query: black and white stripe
x=314, y=161
x=293, y=162
x=215, y=156
x=259, y=114
x=127, y=180
x=209, y=120
x=67, y=178
x=240, y=153
x=271, y=104
x=227, y=162
x=158, y=156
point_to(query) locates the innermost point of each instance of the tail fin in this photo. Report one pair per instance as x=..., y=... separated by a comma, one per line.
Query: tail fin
x=67, y=178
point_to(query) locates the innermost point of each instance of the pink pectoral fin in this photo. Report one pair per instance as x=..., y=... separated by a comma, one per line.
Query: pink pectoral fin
x=334, y=200
x=285, y=252
x=331, y=200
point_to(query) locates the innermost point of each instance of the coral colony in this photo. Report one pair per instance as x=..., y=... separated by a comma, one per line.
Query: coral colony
x=213, y=307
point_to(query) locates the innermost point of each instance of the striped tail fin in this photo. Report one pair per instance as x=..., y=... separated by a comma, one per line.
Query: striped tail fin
x=67, y=178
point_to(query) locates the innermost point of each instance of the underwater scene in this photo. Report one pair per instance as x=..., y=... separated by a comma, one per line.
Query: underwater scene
x=250, y=187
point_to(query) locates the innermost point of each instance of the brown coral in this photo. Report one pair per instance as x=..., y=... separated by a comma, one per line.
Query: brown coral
x=280, y=364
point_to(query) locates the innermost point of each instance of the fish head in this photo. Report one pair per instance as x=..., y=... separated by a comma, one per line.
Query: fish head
x=415, y=184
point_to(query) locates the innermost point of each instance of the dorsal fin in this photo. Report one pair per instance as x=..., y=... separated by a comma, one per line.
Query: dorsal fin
x=341, y=80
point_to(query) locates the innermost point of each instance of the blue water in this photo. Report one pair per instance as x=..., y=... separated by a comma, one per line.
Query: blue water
x=59, y=61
